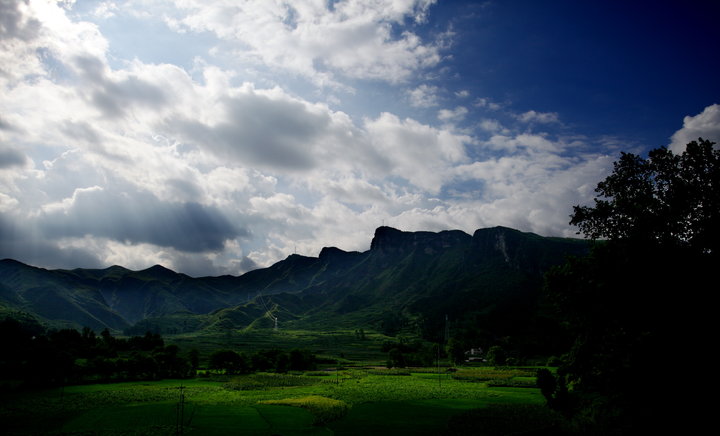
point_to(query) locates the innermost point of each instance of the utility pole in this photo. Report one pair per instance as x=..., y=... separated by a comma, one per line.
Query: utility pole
x=438, y=365
x=180, y=416
x=447, y=329
x=443, y=339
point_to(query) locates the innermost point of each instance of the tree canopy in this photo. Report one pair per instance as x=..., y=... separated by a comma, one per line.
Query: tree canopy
x=638, y=296
x=666, y=199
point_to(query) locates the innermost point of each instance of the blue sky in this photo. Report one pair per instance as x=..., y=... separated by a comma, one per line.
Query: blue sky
x=217, y=137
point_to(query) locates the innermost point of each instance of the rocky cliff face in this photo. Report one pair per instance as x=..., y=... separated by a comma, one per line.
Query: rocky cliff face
x=420, y=270
x=388, y=240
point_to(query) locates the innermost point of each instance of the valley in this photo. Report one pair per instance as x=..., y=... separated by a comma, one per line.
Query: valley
x=383, y=326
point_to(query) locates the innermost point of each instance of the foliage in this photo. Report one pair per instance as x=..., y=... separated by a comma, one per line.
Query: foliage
x=404, y=353
x=391, y=322
x=456, y=351
x=415, y=403
x=267, y=381
x=635, y=293
x=323, y=409
x=229, y=361
x=389, y=371
x=484, y=374
x=667, y=199
x=496, y=355
x=301, y=360
x=59, y=357
x=504, y=419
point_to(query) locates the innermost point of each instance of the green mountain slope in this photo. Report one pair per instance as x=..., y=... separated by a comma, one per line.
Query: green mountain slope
x=407, y=280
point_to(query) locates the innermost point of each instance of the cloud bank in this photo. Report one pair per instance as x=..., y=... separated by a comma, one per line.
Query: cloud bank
x=127, y=161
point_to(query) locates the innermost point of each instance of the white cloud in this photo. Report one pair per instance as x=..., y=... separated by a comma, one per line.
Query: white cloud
x=492, y=126
x=423, y=96
x=452, y=115
x=105, y=9
x=533, y=191
x=142, y=158
x=122, y=161
x=532, y=116
x=353, y=38
x=525, y=141
x=704, y=125
x=418, y=153
x=487, y=103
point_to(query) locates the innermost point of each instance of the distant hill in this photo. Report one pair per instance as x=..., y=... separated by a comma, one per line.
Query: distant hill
x=406, y=281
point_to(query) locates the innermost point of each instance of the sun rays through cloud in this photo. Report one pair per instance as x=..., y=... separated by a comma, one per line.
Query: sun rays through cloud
x=217, y=138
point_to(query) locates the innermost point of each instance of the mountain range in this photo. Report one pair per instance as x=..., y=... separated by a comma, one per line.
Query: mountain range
x=407, y=280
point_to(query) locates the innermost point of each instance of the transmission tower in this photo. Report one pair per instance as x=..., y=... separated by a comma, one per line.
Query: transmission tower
x=268, y=311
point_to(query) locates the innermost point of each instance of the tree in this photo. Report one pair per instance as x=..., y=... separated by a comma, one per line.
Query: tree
x=194, y=358
x=496, y=355
x=456, y=351
x=640, y=290
x=302, y=360
x=229, y=361
x=665, y=199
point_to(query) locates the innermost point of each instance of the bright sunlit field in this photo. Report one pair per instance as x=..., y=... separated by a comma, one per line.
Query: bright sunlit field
x=355, y=401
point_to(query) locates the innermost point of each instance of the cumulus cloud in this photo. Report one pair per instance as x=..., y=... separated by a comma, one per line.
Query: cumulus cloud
x=20, y=241
x=15, y=23
x=352, y=38
x=122, y=161
x=259, y=129
x=419, y=153
x=532, y=116
x=704, y=125
x=487, y=103
x=138, y=217
x=423, y=96
x=10, y=157
x=453, y=115
x=491, y=125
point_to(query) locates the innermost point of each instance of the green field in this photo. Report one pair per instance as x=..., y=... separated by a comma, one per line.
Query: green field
x=337, y=343
x=351, y=402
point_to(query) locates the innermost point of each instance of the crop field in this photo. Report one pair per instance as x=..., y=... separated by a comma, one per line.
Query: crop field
x=339, y=342
x=358, y=401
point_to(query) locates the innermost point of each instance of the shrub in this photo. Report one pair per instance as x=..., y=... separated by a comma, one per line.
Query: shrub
x=264, y=381
x=323, y=409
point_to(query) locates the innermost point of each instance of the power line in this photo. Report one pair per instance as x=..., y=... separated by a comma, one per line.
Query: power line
x=268, y=312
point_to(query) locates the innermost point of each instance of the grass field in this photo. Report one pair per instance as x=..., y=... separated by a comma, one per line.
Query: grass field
x=351, y=402
x=338, y=343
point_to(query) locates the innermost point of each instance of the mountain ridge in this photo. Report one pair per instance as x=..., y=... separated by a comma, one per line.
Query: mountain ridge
x=413, y=274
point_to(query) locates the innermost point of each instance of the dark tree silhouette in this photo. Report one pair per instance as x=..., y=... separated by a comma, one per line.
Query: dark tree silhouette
x=638, y=294
x=667, y=199
x=229, y=361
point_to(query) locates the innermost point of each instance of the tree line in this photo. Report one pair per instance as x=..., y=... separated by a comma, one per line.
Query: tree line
x=38, y=358
x=232, y=362
x=57, y=357
x=639, y=300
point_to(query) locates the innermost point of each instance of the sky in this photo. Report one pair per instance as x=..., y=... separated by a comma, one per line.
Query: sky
x=216, y=137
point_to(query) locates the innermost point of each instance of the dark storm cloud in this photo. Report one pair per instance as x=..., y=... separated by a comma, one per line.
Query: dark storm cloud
x=263, y=131
x=247, y=264
x=112, y=97
x=10, y=157
x=81, y=131
x=91, y=69
x=19, y=242
x=141, y=218
x=12, y=24
x=4, y=125
x=184, y=189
